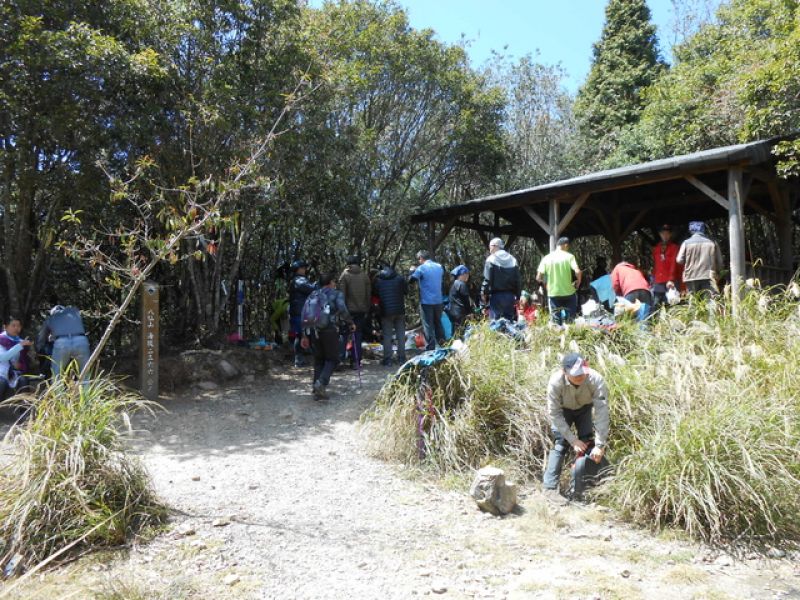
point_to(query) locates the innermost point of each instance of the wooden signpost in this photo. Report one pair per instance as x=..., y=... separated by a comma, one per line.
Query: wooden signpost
x=149, y=345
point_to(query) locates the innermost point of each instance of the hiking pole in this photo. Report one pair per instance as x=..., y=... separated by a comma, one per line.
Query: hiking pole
x=356, y=355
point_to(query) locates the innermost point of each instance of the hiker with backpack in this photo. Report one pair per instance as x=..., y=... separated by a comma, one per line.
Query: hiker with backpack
x=574, y=392
x=299, y=289
x=323, y=312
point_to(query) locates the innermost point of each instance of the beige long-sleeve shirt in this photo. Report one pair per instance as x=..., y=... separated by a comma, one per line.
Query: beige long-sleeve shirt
x=561, y=394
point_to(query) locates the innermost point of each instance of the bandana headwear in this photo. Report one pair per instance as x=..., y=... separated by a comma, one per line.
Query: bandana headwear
x=697, y=227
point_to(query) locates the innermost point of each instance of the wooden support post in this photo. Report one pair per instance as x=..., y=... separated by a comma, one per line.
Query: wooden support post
x=782, y=205
x=736, y=234
x=553, y=223
x=431, y=237
x=149, y=341
x=511, y=239
x=446, y=229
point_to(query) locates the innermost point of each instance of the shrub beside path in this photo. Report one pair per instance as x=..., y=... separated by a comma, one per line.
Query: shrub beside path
x=276, y=498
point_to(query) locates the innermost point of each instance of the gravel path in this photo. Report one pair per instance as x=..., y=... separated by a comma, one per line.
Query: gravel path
x=275, y=498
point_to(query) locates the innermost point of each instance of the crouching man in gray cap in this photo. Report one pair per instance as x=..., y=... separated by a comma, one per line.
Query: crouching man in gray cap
x=572, y=392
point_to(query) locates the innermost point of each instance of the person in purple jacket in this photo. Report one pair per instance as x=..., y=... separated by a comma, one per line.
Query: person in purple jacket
x=13, y=358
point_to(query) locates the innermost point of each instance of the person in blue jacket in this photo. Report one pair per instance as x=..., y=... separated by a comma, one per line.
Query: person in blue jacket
x=429, y=276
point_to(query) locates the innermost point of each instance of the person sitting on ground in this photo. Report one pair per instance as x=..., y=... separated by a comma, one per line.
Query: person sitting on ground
x=556, y=270
x=429, y=275
x=459, y=301
x=527, y=309
x=573, y=392
x=13, y=358
x=630, y=282
x=299, y=289
x=501, y=281
x=64, y=327
x=355, y=286
x=701, y=259
x=391, y=289
x=324, y=340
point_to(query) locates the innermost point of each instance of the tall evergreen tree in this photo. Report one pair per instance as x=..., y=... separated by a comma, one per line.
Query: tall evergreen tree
x=626, y=61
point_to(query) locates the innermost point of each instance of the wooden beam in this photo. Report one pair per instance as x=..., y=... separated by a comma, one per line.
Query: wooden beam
x=483, y=236
x=446, y=229
x=504, y=229
x=709, y=192
x=573, y=210
x=736, y=234
x=511, y=239
x=431, y=236
x=537, y=219
x=633, y=224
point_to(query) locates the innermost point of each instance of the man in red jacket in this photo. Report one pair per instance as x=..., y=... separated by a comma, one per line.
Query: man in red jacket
x=628, y=281
x=666, y=271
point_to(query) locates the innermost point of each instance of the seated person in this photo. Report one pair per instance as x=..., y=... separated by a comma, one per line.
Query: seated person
x=527, y=309
x=13, y=358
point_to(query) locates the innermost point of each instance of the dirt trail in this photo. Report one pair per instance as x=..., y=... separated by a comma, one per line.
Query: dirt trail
x=275, y=498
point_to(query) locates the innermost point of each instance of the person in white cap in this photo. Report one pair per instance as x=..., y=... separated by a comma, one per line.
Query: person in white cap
x=501, y=282
x=573, y=392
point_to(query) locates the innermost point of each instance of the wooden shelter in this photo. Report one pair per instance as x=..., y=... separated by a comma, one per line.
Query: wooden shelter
x=729, y=181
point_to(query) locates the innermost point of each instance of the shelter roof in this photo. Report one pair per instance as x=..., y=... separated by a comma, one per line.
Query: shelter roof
x=625, y=198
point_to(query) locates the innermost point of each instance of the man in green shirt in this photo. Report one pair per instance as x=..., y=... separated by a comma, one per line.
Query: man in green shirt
x=556, y=271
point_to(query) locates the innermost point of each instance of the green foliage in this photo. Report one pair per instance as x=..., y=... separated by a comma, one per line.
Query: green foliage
x=733, y=81
x=626, y=61
x=704, y=415
x=70, y=479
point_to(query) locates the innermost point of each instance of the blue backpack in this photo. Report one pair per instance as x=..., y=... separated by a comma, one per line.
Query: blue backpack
x=316, y=311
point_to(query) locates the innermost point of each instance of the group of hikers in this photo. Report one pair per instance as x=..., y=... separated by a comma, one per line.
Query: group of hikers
x=691, y=266
x=577, y=396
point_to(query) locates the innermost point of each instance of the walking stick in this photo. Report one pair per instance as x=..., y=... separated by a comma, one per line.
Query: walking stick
x=357, y=356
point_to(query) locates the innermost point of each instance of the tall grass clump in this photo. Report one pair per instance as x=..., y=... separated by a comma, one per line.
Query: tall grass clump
x=70, y=480
x=705, y=415
x=707, y=425
x=487, y=405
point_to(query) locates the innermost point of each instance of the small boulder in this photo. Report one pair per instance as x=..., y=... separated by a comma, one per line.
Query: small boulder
x=226, y=370
x=492, y=493
x=208, y=386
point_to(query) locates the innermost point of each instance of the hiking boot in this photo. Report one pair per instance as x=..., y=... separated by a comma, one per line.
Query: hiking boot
x=299, y=361
x=319, y=391
x=554, y=497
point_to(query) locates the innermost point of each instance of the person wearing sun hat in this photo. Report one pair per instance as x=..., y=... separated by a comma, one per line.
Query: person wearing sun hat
x=574, y=393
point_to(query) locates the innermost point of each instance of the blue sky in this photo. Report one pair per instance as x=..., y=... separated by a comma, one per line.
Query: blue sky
x=560, y=31
x=554, y=31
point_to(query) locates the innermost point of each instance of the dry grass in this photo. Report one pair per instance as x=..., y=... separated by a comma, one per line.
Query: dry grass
x=705, y=415
x=70, y=483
